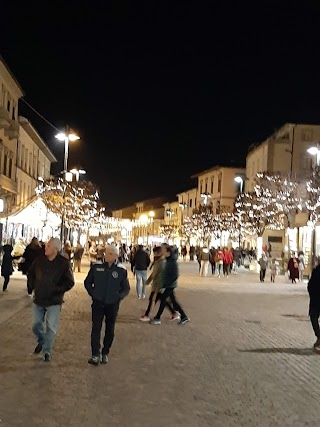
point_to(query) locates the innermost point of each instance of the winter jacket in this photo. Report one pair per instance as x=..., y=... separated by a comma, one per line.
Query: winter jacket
x=7, y=266
x=107, y=285
x=31, y=252
x=314, y=287
x=204, y=254
x=141, y=260
x=50, y=280
x=157, y=274
x=170, y=272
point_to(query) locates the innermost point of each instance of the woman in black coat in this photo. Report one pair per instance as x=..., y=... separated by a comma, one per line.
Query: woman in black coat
x=7, y=265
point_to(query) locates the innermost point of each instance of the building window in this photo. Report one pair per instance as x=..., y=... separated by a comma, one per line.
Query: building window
x=219, y=185
x=307, y=135
x=9, y=105
x=10, y=168
x=13, y=113
x=190, y=203
x=5, y=161
x=218, y=207
x=212, y=182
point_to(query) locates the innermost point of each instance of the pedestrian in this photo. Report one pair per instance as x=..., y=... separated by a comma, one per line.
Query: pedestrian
x=314, y=305
x=141, y=262
x=204, y=261
x=293, y=268
x=50, y=276
x=263, y=262
x=212, y=260
x=107, y=284
x=93, y=254
x=274, y=266
x=77, y=257
x=301, y=265
x=32, y=251
x=155, y=279
x=7, y=265
x=169, y=283
x=219, y=261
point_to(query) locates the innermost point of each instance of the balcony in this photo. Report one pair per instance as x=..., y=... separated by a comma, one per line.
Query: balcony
x=13, y=131
x=4, y=119
x=8, y=184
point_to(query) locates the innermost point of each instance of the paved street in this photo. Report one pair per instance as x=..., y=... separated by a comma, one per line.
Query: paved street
x=243, y=360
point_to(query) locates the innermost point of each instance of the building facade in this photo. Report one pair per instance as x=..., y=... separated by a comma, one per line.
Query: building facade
x=10, y=93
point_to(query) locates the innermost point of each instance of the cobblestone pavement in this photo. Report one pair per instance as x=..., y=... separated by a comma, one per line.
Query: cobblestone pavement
x=245, y=359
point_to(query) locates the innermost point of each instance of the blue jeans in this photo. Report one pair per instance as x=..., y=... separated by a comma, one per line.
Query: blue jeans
x=50, y=317
x=141, y=276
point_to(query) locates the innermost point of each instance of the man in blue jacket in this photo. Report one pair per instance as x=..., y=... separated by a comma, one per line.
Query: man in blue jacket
x=107, y=284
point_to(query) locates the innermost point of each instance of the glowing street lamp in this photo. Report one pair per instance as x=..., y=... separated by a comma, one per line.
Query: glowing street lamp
x=205, y=198
x=314, y=151
x=78, y=172
x=239, y=180
x=66, y=137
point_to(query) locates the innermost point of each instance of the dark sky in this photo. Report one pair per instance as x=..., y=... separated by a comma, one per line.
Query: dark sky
x=161, y=90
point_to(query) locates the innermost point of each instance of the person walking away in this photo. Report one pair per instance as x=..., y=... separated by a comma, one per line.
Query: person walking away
x=263, y=261
x=204, y=261
x=169, y=283
x=227, y=261
x=191, y=253
x=212, y=260
x=141, y=262
x=219, y=261
x=293, y=268
x=107, y=284
x=314, y=305
x=184, y=252
x=7, y=265
x=32, y=251
x=131, y=258
x=274, y=267
x=156, y=279
x=77, y=257
x=197, y=252
x=301, y=265
x=50, y=276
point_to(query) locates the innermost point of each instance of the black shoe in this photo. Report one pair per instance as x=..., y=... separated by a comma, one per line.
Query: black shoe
x=47, y=357
x=38, y=348
x=184, y=320
x=94, y=360
x=104, y=359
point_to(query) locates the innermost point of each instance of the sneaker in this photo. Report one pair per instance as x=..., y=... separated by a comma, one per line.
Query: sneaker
x=183, y=321
x=176, y=316
x=47, y=357
x=155, y=321
x=5, y=291
x=38, y=348
x=104, y=359
x=94, y=360
x=30, y=295
x=145, y=319
x=143, y=296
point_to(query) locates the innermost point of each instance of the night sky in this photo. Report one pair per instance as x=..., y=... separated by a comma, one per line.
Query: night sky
x=159, y=91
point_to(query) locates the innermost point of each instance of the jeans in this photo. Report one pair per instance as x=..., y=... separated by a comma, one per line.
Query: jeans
x=204, y=268
x=50, y=317
x=141, y=276
x=108, y=312
x=169, y=293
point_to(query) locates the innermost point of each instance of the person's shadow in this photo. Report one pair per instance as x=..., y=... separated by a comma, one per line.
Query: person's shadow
x=281, y=350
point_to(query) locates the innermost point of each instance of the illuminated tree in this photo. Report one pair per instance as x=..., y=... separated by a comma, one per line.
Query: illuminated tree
x=169, y=231
x=77, y=202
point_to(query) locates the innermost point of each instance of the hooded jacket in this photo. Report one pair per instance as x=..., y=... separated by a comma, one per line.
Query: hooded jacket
x=170, y=272
x=156, y=276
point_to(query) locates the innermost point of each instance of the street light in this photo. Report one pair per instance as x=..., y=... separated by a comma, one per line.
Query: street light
x=314, y=151
x=78, y=172
x=66, y=137
x=239, y=180
x=205, y=198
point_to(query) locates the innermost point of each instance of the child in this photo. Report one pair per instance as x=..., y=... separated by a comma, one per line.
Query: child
x=274, y=269
x=7, y=265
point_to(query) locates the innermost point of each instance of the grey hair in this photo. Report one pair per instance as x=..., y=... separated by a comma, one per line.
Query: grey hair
x=112, y=248
x=56, y=243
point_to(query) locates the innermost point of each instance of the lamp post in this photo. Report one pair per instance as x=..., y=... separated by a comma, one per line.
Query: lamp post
x=66, y=137
x=239, y=180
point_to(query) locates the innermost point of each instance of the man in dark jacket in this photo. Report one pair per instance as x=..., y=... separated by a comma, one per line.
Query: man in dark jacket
x=107, y=284
x=314, y=305
x=169, y=283
x=49, y=276
x=32, y=251
x=141, y=262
